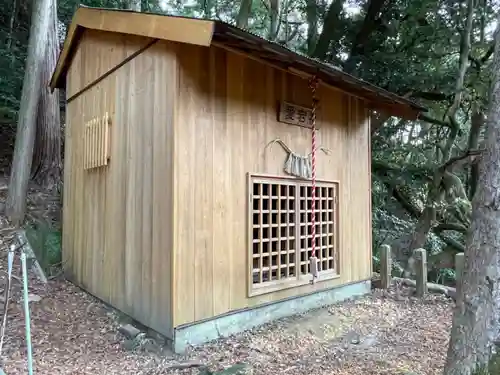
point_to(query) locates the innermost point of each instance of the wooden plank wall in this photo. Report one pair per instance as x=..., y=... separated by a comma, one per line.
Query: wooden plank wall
x=226, y=116
x=224, y=111
x=117, y=228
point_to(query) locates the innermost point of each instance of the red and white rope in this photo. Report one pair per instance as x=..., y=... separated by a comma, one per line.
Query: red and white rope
x=313, y=84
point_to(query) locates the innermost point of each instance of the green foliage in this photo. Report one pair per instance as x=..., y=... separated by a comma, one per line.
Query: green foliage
x=46, y=243
x=408, y=47
x=12, y=57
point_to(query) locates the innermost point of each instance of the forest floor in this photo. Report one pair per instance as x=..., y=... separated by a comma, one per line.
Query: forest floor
x=387, y=332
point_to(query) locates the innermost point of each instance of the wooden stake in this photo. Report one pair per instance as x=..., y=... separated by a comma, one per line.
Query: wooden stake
x=385, y=267
x=420, y=256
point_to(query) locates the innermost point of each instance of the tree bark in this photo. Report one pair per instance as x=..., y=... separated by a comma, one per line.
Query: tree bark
x=8, y=44
x=465, y=45
x=13, y=17
x=477, y=122
x=208, y=6
x=244, y=14
x=373, y=12
x=26, y=127
x=328, y=32
x=475, y=320
x=274, y=11
x=47, y=150
x=312, y=25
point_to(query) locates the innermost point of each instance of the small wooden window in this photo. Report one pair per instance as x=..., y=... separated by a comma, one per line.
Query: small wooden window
x=281, y=242
x=96, y=142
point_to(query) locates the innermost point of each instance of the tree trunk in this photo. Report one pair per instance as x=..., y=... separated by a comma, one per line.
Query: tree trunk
x=26, y=127
x=274, y=11
x=8, y=43
x=13, y=16
x=328, y=33
x=477, y=121
x=244, y=14
x=465, y=45
x=312, y=25
x=146, y=6
x=208, y=5
x=47, y=150
x=475, y=318
x=373, y=12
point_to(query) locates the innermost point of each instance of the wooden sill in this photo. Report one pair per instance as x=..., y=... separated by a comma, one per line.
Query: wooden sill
x=276, y=286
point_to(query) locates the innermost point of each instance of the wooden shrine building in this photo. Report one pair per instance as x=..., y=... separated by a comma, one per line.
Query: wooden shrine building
x=187, y=190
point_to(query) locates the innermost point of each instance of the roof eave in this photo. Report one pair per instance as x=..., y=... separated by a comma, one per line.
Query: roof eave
x=204, y=32
x=64, y=57
x=179, y=29
x=376, y=97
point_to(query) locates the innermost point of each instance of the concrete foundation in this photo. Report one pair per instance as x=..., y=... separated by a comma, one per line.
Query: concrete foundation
x=240, y=320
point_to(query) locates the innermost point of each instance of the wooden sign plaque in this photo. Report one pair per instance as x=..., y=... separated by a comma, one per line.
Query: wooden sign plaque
x=294, y=114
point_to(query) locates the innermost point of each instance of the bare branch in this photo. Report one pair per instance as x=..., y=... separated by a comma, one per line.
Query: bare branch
x=433, y=96
x=434, y=121
x=478, y=63
x=460, y=160
x=452, y=243
x=450, y=226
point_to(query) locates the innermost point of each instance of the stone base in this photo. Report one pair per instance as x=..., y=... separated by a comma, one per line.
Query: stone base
x=241, y=320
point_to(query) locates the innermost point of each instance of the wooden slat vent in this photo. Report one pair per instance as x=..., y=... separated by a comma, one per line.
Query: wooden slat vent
x=96, y=142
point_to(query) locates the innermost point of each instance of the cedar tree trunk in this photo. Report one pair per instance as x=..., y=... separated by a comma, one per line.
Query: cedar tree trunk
x=26, y=127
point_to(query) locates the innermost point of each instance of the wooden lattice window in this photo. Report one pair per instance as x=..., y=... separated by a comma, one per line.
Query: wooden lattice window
x=326, y=223
x=96, y=142
x=280, y=238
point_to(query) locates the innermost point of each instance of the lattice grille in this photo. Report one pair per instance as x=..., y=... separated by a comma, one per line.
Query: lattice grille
x=273, y=228
x=325, y=227
x=281, y=243
x=96, y=142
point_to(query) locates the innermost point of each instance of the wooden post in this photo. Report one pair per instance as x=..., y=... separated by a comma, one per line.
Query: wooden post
x=420, y=256
x=459, y=268
x=385, y=266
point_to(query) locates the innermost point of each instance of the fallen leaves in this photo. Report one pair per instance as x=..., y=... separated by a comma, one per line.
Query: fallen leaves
x=73, y=333
x=386, y=333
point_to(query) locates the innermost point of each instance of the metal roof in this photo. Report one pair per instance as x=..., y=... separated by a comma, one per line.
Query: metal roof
x=210, y=32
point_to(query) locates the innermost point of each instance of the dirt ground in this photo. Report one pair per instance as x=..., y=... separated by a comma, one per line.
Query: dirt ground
x=387, y=332
x=383, y=333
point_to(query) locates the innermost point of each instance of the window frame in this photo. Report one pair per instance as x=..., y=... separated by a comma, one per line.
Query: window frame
x=299, y=279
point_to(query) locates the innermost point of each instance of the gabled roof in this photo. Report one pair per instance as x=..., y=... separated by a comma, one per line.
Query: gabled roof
x=210, y=32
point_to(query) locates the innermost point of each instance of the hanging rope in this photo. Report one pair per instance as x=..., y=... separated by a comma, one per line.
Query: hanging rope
x=313, y=85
